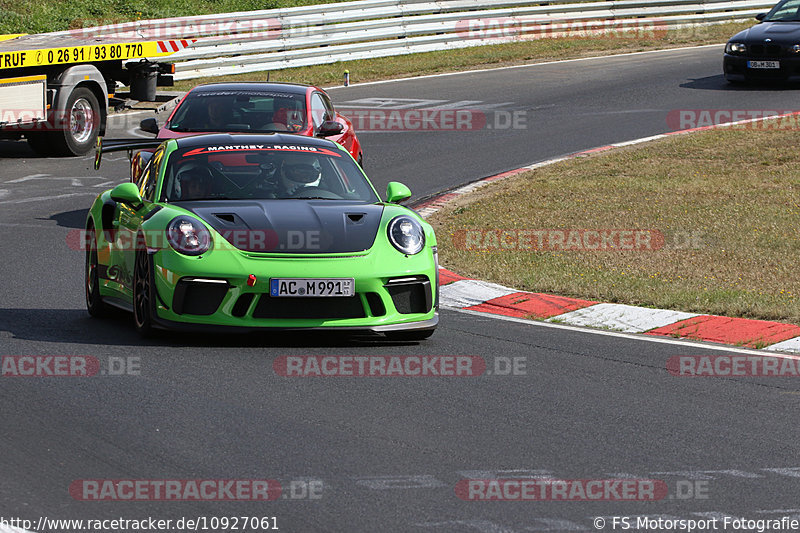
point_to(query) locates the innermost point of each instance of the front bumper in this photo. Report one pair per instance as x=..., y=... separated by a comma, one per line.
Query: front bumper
x=735, y=68
x=392, y=292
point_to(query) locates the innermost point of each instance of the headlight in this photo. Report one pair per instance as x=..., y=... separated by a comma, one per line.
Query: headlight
x=188, y=235
x=796, y=48
x=735, y=48
x=406, y=235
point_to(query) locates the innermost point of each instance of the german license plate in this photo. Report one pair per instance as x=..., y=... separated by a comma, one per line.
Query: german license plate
x=764, y=64
x=305, y=287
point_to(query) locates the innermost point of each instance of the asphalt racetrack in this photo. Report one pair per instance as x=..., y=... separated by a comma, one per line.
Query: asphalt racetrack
x=387, y=454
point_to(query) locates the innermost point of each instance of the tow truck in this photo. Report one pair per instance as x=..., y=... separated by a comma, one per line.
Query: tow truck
x=55, y=87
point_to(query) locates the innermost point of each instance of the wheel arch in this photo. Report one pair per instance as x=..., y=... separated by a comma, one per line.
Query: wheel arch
x=78, y=76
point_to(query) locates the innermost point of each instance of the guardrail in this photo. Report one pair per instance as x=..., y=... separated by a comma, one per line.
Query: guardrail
x=234, y=43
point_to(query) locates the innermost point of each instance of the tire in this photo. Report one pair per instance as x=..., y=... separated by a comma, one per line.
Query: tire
x=418, y=335
x=82, y=124
x=361, y=161
x=94, y=302
x=143, y=305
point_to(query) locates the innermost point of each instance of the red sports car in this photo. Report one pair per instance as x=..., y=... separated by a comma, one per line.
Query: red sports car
x=256, y=107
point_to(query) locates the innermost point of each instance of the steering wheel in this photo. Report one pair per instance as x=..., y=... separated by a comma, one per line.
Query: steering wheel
x=266, y=180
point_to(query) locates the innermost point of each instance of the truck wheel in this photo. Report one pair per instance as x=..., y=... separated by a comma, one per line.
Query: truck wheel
x=81, y=124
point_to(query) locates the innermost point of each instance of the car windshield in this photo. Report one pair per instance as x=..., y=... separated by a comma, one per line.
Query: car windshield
x=787, y=11
x=240, y=111
x=264, y=171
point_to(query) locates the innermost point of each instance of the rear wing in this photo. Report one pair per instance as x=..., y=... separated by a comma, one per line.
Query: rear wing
x=118, y=145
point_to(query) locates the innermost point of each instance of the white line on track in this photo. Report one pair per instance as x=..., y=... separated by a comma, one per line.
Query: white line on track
x=630, y=336
x=26, y=178
x=51, y=197
x=527, y=65
x=18, y=225
x=49, y=177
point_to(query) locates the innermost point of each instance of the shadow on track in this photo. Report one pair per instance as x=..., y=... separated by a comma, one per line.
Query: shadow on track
x=70, y=219
x=75, y=326
x=718, y=83
x=16, y=150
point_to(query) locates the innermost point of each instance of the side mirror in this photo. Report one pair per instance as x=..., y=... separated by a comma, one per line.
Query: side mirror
x=761, y=16
x=126, y=193
x=150, y=125
x=396, y=192
x=328, y=128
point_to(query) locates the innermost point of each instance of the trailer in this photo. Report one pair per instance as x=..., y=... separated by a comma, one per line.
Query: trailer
x=55, y=88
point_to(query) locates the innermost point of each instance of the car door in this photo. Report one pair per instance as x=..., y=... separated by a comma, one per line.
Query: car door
x=128, y=221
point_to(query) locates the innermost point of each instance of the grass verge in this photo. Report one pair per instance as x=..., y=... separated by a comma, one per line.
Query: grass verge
x=727, y=203
x=41, y=16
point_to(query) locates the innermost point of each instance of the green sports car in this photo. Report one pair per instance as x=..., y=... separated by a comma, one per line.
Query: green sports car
x=260, y=231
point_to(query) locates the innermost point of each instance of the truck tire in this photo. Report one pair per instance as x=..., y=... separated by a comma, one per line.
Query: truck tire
x=81, y=125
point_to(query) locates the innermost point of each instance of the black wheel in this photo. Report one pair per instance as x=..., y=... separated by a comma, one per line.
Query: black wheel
x=418, y=335
x=94, y=302
x=143, y=305
x=361, y=160
x=80, y=123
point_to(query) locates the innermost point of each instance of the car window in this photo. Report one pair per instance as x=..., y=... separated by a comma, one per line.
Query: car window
x=268, y=171
x=149, y=177
x=328, y=107
x=240, y=111
x=318, y=110
x=785, y=11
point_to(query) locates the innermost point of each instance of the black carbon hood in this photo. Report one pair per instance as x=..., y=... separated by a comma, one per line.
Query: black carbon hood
x=292, y=226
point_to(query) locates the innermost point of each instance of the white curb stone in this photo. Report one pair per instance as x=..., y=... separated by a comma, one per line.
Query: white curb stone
x=620, y=317
x=469, y=292
x=789, y=345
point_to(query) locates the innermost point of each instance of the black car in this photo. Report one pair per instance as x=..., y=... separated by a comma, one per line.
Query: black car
x=770, y=50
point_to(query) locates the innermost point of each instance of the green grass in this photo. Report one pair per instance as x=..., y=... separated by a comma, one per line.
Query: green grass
x=726, y=201
x=41, y=16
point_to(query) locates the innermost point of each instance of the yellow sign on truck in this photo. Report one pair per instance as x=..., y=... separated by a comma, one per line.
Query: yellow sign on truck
x=54, y=88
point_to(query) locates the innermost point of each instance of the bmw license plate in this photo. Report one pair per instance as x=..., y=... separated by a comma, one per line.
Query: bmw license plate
x=763, y=64
x=305, y=287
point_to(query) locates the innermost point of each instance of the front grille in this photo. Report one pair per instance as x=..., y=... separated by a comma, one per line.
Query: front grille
x=765, y=50
x=410, y=295
x=198, y=297
x=375, y=303
x=316, y=308
x=242, y=304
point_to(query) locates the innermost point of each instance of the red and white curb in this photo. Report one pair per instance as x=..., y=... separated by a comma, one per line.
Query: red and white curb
x=475, y=295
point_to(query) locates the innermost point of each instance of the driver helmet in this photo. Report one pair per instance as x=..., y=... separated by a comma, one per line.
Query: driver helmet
x=299, y=171
x=193, y=181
